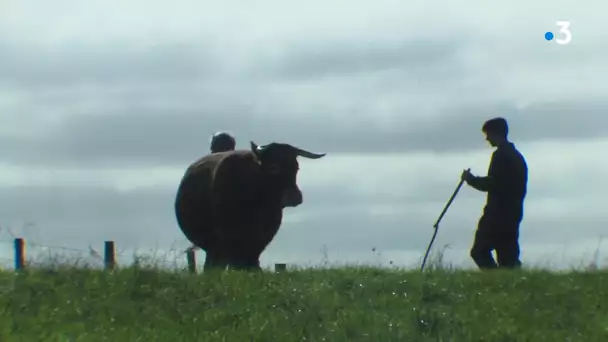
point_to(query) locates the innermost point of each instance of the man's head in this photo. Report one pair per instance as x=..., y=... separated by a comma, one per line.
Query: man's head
x=222, y=142
x=279, y=165
x=496, y=131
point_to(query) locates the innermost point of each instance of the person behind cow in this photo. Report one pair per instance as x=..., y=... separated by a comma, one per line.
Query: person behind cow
x=505, y=184
x=231, y=204
x=222, y=142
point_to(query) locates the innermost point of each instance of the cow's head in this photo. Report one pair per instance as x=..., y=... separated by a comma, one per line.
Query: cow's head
x=279, y=165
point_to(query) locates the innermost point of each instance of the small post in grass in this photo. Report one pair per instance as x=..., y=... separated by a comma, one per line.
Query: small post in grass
x=191, y=257
x=109, y=255
x=19, y=254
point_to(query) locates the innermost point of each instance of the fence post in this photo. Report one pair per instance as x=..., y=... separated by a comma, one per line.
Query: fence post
x=280, y=267
x=19, y=254
x=191, y=256
x=109, y=257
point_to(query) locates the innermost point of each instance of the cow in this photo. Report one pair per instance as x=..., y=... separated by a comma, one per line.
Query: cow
x=230, y=204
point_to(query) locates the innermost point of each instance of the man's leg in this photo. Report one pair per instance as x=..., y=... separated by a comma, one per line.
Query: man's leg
x=481, y=252
x=507, y=247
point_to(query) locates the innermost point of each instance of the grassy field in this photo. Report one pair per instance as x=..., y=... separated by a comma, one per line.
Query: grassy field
x=347, y=304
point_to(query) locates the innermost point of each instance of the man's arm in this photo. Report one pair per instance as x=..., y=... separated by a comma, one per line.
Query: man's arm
x=481, y=183
x=488, y=182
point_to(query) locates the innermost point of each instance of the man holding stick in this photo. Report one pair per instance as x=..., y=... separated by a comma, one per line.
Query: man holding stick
x=506, y=186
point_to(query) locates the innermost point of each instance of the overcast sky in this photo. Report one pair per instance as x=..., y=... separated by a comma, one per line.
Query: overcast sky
x=105, y=103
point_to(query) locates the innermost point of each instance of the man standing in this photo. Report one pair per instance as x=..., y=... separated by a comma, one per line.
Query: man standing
x=222, y=142
x=506, y=185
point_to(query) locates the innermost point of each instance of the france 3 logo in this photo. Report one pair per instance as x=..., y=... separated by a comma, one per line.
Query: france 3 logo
x=565, y=36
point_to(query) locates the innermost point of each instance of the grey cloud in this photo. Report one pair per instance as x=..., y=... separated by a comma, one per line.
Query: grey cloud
x=77, y=203
x=158, y=105
x=78, y=216
x=338, y=218
x=142, y=134
x=164, y=61
x=112, y=64
x=331, y=57
x=81, y=215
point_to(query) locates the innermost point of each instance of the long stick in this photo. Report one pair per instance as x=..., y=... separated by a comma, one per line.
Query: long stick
x=436, y=225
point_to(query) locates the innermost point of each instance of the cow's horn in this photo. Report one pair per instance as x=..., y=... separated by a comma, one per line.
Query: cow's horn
x=307, y=154
x=256, y=147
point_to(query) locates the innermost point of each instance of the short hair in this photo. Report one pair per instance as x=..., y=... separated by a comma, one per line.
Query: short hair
x=496, y=126
x=222, y=141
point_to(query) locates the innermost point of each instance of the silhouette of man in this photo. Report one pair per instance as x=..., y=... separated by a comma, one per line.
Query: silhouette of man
x=222, y=142
x=506, y=186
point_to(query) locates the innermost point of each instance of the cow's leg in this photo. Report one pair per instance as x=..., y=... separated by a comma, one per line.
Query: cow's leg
x=244, y=264
x=249, y=263
x=214, y=259
x=242, y=257
x=253, y=261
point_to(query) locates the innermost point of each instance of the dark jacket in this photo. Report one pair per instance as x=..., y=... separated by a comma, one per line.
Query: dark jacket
x=506, y=184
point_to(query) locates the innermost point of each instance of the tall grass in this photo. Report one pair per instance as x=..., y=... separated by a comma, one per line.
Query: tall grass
x=63, y=302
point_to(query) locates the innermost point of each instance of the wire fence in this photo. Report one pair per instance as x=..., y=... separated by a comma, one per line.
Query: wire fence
x=52, y=255
x=18, y=254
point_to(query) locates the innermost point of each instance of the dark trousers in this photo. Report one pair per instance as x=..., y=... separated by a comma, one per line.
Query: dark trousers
x=501, y=235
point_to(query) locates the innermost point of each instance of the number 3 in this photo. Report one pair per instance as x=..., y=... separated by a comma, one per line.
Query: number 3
x=565, y=30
